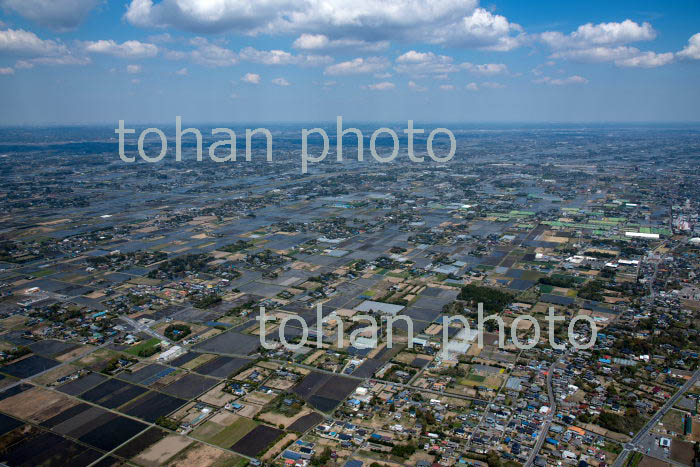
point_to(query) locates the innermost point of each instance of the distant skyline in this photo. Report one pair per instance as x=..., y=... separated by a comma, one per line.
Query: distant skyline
x=144, y=61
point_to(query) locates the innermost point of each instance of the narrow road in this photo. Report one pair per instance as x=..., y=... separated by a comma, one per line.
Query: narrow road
x=550, y=416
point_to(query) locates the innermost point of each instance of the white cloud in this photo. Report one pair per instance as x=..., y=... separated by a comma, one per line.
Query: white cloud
x=603, y=34
x=575, y=79
x=646, y=60
x=212, y=55
x=135, y=81
x=164, y=38
x=182, y=72
x=7, y=71
x=281, y=82
x=692, y=50
x=486, y=68
x=424, y=63
x=607, y=42
x=26, y=43
x=251, y=78
x=128, y=49
x=483, y=30
x=492, y=85
x=447, y=87
x=281, y=57
x=322, y=42
x=23, y=65
x=472, y=86
x=383, y=86
x=133, y=69
x=61, y=15
x=327, y=24
x=597, y=54
x=60, y=60
x=358, y=65
x=416, y=87
x=623, y=56
x=35, y=51
x=234, y=96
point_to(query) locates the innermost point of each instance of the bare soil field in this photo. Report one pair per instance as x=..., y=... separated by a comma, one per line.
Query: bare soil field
x=162, y=451
x=256, y=397
x=36, y=404
x=217, y=396
x=275, y=419
x=250, y=410
x=75, y=353
x=54, y=374
x=202, y=454
x=280, y=383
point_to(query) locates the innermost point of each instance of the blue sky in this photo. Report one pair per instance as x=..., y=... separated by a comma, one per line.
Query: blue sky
x=146, y=61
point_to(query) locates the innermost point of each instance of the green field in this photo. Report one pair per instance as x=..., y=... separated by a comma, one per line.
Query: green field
x=149, y=344
x=225, y=437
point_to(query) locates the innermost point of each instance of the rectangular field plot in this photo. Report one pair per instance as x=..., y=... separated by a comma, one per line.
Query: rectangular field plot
x=189, y=386
x=80, y=385
x=230, y=343
x=222, y=367
x=141, y=442
x=142, y=374
x=30, y=366
x=323, y=391
x=257, y=441
x=39, y=447
x=152, y=406
x=113, y=393
x=306, y=422
x=114, y=432
x=224, y=430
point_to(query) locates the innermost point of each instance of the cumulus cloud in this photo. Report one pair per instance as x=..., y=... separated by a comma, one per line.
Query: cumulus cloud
x=492, y=85
x=607, y=42
x=128, y=49
x=412, y=85
x=61, y=15
x=182, y=72
x=7, y=71
x=603, y=34
x=472, y=87
x=323, y=42
x=382, y=86
x=575, y=79
x=486, y=68
x=281, y=82
x=281, y=57
x=133, y=69
x=26, y=43
x=646, y=60
x=325, y=24
x=209, y=54
x=424, y=63
x=447, y=87
x=357, y=66
x=692, y=50
x=251, y=78
x=482, y=30
x=623, y=56
x=33, y=50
